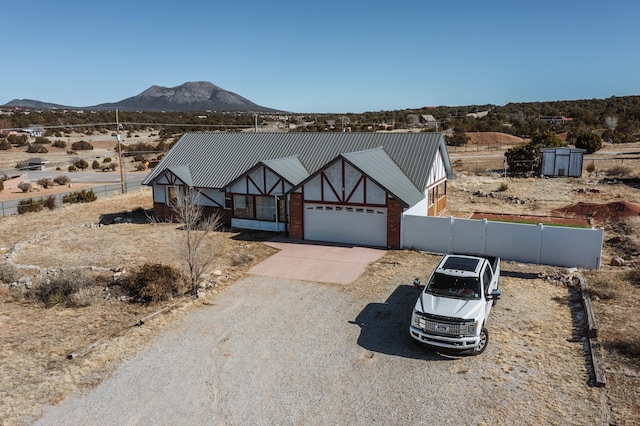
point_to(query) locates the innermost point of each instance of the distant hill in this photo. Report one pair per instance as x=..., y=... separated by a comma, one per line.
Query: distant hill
x=32, y=104
x=190, y=96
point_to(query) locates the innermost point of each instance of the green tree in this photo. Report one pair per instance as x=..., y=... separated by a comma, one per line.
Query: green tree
x=589, y=141
x=459, y=138
x=37, y=149
x=81, y=164
x=95, y=165
x=527, y=157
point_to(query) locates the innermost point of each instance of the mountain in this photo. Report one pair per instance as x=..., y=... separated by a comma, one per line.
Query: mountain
x=32, y=104
x=190, y=96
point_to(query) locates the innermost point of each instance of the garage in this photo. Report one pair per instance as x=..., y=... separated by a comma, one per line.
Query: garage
x=346, y=224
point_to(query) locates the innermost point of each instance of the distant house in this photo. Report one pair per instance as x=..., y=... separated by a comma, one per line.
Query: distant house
x=562, y=162
x=479, y=114
x=338, y=187
x=36, y=164
x=428, y=120
x=555, y=119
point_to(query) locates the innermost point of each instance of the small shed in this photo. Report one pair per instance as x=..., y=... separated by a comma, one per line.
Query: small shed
x=562, y=162
x=36, y=164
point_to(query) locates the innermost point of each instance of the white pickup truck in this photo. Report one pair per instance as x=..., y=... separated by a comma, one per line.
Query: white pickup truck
x=451, y=313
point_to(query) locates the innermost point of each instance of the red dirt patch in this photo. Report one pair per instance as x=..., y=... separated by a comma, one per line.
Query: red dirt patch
x=499, y=217
x=601, y=213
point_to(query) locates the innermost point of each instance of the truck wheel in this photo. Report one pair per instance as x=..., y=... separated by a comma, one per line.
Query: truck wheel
x=482, y=344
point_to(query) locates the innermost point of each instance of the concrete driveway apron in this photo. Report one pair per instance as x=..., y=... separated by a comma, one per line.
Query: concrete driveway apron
x=320, y=262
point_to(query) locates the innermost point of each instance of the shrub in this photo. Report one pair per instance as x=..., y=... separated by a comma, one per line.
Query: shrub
x=45, y=182
x=50, y=202
x=141, y=167
x=95, y=165
x=107, y=160
x=81, y=164
x=21, y=164
x=634, y=276
x=37, y=149
x=154, y=282
x=589, y=141
x=618, y=171
x=21, y=140
x=71, y=152
x=59, y=289
x=8, y=272
x=24, y=187
x=591, y=167
x=109, y=167
x=72, y=168
x=83, y=196
x=29, y=205
x=1, y=184
x=4, y=144
x=503, y=187
x=59, y=144
x=41, y=140
x=81, y=146
x=62, y=179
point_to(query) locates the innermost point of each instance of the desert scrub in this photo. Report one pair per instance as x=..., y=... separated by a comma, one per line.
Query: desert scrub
x=503, y=187
x=606, y=288
x=618, y=171
x=154, y=282
x=62, y=180
x=64, y=288
x=240, y=259
x=8, y=272
x=30, y=205
x=84, y=196
x=45, y=182
x=24, y=187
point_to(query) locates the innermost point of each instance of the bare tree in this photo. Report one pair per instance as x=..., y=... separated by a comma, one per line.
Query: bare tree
x=193, y=245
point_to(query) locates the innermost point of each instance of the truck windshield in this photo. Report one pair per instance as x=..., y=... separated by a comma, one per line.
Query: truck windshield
x=450, y=286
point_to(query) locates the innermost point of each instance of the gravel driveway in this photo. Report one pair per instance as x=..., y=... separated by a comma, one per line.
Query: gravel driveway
x=277, y=351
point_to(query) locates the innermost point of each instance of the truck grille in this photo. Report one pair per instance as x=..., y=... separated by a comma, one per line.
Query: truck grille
x=444, y=326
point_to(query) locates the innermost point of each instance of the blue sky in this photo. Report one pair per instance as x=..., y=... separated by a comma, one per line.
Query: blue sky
x=329, y=56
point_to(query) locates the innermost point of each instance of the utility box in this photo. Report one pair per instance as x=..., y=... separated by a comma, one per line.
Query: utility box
x=562, y=162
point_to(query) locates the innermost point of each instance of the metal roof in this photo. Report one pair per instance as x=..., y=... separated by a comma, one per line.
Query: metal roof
x=290, y=169
x=217, y=158
x=183, y=173
x=376, y=164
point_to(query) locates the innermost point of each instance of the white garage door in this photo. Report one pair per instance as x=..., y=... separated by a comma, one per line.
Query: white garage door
x=343, y=224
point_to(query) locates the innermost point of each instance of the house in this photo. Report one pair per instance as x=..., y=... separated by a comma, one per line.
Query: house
x=562, y=162
x=428, y=120
x=338, y=187
x=555, y=119
x=36, y=164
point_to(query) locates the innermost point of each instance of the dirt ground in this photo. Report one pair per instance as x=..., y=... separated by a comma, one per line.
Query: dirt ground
x=36, y=340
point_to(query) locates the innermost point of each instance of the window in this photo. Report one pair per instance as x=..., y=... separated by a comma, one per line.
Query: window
x=266, y=208
x=257, y=207
x=486, y=277
x=172, y=195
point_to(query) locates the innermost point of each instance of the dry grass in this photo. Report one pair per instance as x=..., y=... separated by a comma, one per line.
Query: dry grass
x=36, y=340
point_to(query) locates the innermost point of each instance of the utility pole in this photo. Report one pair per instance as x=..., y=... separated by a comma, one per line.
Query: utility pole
x=122, y=185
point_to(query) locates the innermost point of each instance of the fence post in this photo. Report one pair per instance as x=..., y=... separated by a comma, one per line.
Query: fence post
x=451, y=233
x=485, y=222
x=540, y=231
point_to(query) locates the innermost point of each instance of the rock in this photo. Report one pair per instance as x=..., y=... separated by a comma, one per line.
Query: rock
x=617, y=261
x=217, y=272
x=201, y=294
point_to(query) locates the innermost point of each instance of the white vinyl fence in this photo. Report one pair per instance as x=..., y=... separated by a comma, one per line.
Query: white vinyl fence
x=546, y=245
